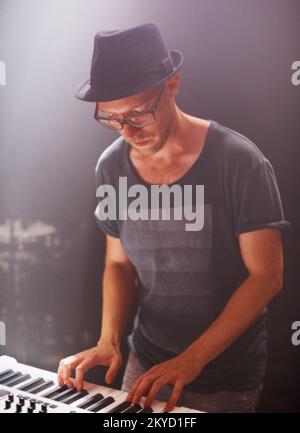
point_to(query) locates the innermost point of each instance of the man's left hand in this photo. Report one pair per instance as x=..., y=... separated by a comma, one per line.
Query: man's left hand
x=177, y=371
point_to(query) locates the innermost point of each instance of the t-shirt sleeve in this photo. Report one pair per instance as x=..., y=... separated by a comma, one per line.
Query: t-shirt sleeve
x=108, y=226
x=257, y=204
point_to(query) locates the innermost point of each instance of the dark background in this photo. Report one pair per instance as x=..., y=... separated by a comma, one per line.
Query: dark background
x=237, y=70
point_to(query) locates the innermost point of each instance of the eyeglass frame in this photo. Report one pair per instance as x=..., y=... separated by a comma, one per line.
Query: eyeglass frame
x=126, y=120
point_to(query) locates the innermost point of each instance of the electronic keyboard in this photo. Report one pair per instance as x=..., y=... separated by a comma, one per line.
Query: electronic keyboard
x=25, y=389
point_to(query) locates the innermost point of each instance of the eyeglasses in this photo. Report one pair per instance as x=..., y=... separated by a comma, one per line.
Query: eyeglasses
x=139, y=120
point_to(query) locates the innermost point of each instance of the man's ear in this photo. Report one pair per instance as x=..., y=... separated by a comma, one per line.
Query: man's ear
x=173, y=84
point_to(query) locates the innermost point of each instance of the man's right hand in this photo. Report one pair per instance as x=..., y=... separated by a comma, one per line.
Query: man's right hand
x=102, y=354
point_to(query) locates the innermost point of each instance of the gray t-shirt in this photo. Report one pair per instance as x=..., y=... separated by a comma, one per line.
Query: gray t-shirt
x=186, y=277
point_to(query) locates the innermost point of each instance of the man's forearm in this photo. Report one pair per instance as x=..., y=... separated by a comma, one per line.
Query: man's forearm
x=119, y=298
x=241, y=310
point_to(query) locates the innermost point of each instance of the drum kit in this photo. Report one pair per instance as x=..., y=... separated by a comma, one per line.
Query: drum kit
x=24, y=244
x=23, y=239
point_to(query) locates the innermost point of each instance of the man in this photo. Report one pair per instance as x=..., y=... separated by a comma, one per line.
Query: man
x=199, y=336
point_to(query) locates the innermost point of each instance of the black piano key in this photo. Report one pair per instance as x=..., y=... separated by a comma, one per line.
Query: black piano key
x=94, y=399
x=32, y=384
x=72, y=398
x=42, y=387
x=21, y=379
x=44, y=407
x=32, y=403
x=22, y=399
x=19, y=408
x=146, y=410
x=14, y=375
x=120, y=407
x=105, y=402
x=133, y=409
x=55, y=391
x=5, y=373
x=65, y=393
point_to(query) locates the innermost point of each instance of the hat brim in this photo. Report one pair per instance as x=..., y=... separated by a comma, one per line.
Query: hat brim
x=85, y=92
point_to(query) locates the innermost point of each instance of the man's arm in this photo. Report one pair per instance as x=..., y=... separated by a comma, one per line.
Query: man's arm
x=119, y=292
x=262, y=254
x=119, y=296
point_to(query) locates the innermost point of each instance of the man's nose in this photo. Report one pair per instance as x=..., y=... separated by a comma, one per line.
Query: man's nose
x=129, y=131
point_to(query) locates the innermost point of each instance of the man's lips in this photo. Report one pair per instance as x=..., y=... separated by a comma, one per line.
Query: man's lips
x=140, y=143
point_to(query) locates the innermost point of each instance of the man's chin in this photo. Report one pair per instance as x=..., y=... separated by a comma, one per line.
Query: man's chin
x=149, y=149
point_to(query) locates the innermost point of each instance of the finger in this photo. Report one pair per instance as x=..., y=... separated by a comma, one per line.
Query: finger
x=80, y=370
x=134, y=388
x=65, y=369
x=142, y=389
x=156, y=387
x=67, y=375
x=174, y=396
x=154, y=374
x=60, y=379
x=112, y=370
x=136, y=385
x=60, y=375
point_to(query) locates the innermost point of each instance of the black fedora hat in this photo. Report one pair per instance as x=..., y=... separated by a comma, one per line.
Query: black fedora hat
x=126, y=62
